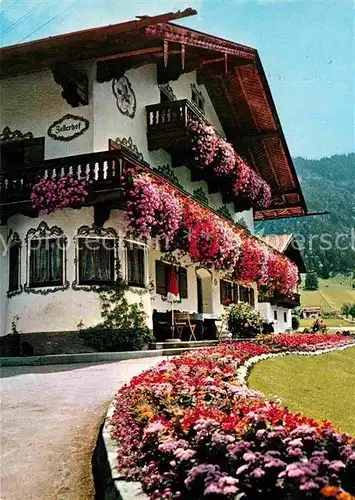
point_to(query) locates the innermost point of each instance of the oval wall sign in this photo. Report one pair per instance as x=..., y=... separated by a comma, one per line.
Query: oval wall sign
x=68, y=128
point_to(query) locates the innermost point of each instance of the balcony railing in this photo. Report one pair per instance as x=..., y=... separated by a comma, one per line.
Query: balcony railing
x=167, y=128
x=167, y=124
x=288, y=301
x=102, y=169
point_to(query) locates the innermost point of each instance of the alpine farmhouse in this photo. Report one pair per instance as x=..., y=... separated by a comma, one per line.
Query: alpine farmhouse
x=184, y=115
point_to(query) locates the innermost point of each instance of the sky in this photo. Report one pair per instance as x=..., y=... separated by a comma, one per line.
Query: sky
x=307, y=49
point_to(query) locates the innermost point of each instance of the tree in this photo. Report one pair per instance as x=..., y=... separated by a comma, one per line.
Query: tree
x=345, y=309
x=311, y=282
x=352, y=311
x=325, y=270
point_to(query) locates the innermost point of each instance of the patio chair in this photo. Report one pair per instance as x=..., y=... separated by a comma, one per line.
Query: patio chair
x=181, y=321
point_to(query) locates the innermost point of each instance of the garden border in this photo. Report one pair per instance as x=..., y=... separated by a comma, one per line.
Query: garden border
x=115, y=486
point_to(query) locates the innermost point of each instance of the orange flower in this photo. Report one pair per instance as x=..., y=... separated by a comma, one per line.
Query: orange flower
x=330, y=491
x=344, y=496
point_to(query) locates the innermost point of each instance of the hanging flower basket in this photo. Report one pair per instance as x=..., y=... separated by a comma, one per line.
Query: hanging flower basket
x=48, y=195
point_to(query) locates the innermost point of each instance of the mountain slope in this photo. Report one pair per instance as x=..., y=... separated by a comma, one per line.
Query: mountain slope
x=329, y=240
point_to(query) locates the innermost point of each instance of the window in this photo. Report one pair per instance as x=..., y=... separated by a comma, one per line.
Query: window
x=18, y=153
x=244, y=293
x=46, y=262
x=275, y=315
x=228, y=291
x=197, y=98
x=135, y=264
x=162, y=271
x=14, y=264
x=285, y=317
x=96, y=258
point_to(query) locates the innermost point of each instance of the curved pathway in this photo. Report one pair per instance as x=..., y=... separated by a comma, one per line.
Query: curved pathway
x=50, y=417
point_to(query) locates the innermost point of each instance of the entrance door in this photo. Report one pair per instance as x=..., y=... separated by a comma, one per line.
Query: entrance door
x=199, y=295
x=204, y=291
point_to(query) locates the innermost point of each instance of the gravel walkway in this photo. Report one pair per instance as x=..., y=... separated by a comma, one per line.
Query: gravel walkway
x=50, y=417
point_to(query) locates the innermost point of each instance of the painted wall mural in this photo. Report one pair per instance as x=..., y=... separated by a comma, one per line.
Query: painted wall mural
x=125, y=96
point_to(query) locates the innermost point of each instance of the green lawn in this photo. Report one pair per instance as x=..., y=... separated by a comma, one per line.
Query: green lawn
x=333, y=322
x=322, y=387
x=331, y=294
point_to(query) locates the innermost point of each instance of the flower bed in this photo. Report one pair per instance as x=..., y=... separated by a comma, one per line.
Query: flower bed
x=188, y=429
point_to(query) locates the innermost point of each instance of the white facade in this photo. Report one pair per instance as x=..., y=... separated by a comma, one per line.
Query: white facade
x=281, y=317
x=31, y=103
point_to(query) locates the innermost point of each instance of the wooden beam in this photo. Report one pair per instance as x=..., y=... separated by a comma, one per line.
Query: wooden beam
x=211, y=61
x=73, y=82
x=130, y=53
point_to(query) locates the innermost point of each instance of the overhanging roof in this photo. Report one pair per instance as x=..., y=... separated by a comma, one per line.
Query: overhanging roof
x=233, y=75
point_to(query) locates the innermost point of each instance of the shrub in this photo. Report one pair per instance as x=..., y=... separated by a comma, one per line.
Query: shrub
x=123, y=327
x=295, y=322
x=244, y=321
x=105, y=339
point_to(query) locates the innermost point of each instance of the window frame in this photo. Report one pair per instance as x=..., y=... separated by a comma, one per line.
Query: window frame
x=47, y=283
x=44, y=232
x=144, y=248
x=234, y=288
x=275, y=316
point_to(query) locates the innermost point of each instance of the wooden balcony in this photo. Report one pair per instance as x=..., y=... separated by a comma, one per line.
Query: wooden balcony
x=279, y=300
x=167, y=125
x=102, y=169
x=167, y=128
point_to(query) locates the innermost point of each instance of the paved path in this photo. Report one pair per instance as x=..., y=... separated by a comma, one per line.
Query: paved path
x=50, y=417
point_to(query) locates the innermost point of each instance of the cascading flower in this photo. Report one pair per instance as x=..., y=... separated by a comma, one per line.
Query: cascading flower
x=249, y=188
x=204, y=142
x=230, y=244
x=263, y=199
x=224, y=162
x=152, y=208
x=247, y=268
x=48, y=195
x=155, y=209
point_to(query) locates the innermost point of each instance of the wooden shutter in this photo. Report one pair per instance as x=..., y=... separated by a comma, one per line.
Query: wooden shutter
x=160, y=277
x=14, y=267
x=183, y=283
x=251, y=297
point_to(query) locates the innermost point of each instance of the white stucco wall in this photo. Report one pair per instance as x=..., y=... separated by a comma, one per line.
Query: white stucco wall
x=267, y=311
x=31, y=103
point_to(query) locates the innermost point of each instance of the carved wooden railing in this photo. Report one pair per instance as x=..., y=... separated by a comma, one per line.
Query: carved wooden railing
x=102, y=169
x=167, y=124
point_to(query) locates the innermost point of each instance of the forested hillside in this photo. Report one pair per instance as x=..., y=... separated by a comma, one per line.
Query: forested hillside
x=328, y=185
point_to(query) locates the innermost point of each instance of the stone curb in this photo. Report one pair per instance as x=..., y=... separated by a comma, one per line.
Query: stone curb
x=92, y=357
x=117, y=488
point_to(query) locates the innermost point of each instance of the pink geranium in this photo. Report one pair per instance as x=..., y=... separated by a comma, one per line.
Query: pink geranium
x=48, y=195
